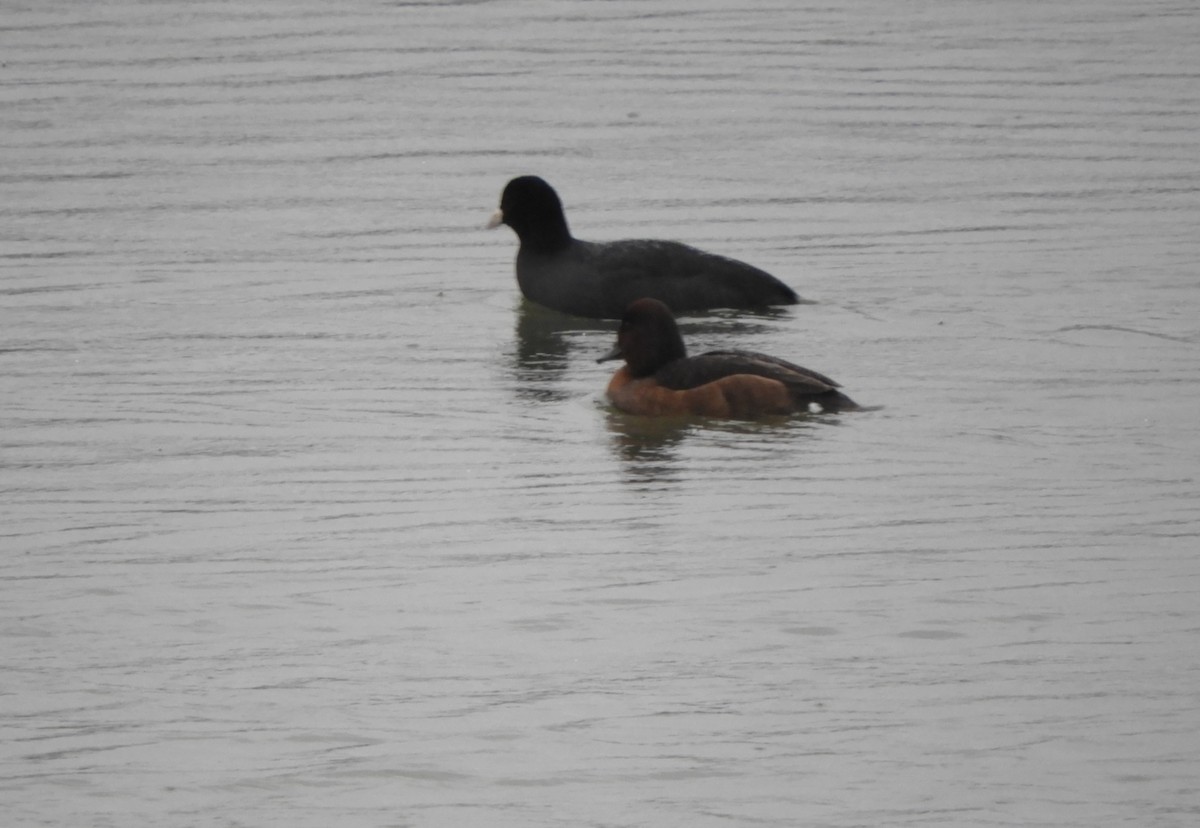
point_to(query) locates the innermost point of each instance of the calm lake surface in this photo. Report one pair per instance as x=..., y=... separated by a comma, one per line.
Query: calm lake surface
x=309, y=520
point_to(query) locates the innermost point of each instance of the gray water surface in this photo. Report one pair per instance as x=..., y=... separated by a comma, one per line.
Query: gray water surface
x=309, y=520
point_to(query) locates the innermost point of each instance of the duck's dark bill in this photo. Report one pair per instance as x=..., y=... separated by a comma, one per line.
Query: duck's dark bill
x=615, y=353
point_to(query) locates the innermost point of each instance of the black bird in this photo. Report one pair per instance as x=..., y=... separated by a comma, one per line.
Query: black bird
x=600, y=279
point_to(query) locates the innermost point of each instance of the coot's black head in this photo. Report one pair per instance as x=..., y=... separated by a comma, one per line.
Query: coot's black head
x=648, y=338
x=533, y=210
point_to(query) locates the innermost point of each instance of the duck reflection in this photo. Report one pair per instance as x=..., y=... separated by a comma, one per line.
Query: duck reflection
x=648, y=448
x=654, y=450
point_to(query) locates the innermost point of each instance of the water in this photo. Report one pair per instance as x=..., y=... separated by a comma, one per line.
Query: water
x=309, y=521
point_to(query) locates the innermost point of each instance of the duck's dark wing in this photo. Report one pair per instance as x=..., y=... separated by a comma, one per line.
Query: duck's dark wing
x=808, y=390
x=714, y=365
